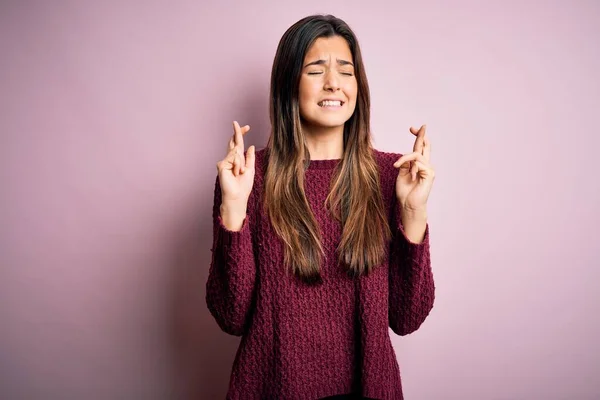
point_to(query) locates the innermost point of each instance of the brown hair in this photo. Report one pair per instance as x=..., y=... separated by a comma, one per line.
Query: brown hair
x=355, y=197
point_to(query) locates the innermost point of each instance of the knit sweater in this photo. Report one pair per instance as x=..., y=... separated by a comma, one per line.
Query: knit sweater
x=304, y=342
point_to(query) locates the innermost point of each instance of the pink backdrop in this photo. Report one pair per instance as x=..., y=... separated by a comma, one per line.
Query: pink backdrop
x=112, y=119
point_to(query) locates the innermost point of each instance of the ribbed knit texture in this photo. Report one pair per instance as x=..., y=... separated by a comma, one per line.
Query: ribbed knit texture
x=302, y=342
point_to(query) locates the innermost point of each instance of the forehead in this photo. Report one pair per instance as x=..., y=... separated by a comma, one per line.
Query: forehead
x=331, y=47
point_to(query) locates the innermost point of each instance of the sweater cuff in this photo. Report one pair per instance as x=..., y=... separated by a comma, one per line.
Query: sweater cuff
x=415, y=254
x=233, y=239
x=402, y=233
x=408, y=242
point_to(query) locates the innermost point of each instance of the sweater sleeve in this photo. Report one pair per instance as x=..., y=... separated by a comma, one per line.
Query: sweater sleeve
x=411, y=283
x=232, y=273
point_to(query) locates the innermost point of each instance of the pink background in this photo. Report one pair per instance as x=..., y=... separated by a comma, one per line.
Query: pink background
x=112, y=119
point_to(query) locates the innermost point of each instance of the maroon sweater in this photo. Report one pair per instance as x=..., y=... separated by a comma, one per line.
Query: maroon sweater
x=302, y=342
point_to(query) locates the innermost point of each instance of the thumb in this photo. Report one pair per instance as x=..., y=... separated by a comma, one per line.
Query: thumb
x=250, y=157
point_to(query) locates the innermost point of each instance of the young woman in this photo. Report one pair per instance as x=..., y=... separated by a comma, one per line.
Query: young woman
x=321, y=242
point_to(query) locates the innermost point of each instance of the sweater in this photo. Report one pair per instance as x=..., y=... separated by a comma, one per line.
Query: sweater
x=304, y=342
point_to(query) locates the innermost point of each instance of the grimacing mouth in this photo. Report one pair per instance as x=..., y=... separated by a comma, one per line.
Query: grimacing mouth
x=320, y=103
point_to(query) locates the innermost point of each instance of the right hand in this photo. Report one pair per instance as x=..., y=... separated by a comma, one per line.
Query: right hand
x=236, y=172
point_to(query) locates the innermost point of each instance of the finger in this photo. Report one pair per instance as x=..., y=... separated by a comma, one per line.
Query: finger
x=422, y=170
x=244, y=130
x=250, y=157
x=424, y=166
x=427, y=149
x=409, y=157
x=232, y=161
x=425, y=170
x=231, y=143
x=238, y=164
x=416, y=131
x=227, y=162
x=418, y=146
x=237, y=136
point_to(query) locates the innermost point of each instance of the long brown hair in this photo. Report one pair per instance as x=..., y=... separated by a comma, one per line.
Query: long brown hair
x=355, y=196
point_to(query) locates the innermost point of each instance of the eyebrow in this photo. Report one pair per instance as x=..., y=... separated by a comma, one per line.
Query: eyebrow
x=321, y=62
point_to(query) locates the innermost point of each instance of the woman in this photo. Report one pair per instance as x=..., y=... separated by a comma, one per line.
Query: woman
x=321, y=242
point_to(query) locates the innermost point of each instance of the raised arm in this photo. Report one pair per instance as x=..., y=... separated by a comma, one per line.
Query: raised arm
x=230, y=287
x=411, y=283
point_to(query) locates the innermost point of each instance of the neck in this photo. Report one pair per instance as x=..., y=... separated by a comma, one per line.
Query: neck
x=324, y=143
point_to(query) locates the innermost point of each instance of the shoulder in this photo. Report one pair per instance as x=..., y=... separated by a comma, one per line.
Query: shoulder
x=260, y=165
x=387, y=172
x=261, y=158
x=385, y=161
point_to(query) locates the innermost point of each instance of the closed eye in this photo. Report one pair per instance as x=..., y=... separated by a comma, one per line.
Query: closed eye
x=319, y=73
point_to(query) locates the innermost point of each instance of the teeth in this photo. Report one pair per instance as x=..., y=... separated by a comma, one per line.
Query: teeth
x=327, y=103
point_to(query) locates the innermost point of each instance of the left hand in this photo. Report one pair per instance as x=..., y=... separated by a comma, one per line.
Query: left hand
x=416, y=175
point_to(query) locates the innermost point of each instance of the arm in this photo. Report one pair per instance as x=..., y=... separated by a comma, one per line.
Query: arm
x=411, y=283
x=232, y=274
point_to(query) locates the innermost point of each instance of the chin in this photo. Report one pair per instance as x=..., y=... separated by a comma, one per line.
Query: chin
x=329, y=122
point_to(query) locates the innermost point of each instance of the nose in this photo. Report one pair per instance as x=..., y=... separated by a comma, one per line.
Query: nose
x=331, y=82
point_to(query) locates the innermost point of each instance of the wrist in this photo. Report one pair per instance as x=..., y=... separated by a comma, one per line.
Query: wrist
x=235, y=205
x=233, y=210
x=233, y=216
x=419, y=214
x=414, y=223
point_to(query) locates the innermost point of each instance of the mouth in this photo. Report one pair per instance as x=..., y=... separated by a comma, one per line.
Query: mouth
x=330, y=103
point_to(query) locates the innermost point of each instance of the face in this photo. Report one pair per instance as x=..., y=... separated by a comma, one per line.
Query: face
x=328, y=74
